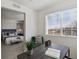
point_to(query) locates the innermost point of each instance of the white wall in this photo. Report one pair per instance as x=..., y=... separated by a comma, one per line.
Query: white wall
x=68, y=41
x=11, y=14
x=30, y=17
x=8, y=24
x=9, y=18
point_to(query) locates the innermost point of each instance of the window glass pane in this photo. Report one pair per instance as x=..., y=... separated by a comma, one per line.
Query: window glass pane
x=69, y=18
x=74, y=21
x=62, y=22
x=54, y=31
x=54, y=23
x=74, y=32
x=66, y=19
x=67, y=32
x=69, y=21
x=74, y=25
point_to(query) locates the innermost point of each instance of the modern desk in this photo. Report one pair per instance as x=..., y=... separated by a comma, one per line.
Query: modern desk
x=39, y=52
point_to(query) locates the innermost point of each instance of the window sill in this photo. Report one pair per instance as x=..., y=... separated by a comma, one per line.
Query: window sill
x=62, y=35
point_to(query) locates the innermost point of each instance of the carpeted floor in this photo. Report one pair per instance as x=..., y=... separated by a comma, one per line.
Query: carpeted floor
x=11, y=51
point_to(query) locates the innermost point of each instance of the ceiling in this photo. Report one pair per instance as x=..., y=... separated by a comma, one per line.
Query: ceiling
x=36, y=4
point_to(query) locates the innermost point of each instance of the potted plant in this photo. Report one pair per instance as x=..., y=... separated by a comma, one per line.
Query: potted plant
x=29, y=46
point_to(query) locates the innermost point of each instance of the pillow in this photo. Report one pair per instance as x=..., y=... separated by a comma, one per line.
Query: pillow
x=54, y=53
x=12, y=34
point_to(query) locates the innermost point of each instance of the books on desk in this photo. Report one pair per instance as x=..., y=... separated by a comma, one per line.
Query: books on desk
x=54, y=53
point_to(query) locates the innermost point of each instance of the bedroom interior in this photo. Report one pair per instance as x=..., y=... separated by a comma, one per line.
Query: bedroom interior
x=12, y=28
x=39, y=29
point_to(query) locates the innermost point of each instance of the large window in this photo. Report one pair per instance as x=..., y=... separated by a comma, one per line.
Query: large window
x=62, y=23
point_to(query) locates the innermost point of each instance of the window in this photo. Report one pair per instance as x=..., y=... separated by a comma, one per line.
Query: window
x=62, y=23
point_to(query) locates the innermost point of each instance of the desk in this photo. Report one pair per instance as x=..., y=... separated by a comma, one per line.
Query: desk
x=39, y=52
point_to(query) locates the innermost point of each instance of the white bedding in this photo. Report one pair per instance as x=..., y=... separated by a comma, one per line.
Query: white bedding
x=13, y=39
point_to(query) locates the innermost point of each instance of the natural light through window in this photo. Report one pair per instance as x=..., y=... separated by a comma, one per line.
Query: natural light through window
x=62, y=22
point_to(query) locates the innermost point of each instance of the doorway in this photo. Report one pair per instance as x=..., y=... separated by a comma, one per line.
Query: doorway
x=12, y=33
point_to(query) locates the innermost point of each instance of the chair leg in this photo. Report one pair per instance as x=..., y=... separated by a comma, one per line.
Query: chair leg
x=68, y=53
x=68, y=57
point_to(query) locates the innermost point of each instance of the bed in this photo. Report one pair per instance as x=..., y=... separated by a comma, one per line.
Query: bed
x=9, y=36
x=13, y=40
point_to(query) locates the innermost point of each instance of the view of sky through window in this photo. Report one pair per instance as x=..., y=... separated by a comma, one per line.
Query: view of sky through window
x=67, y=17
